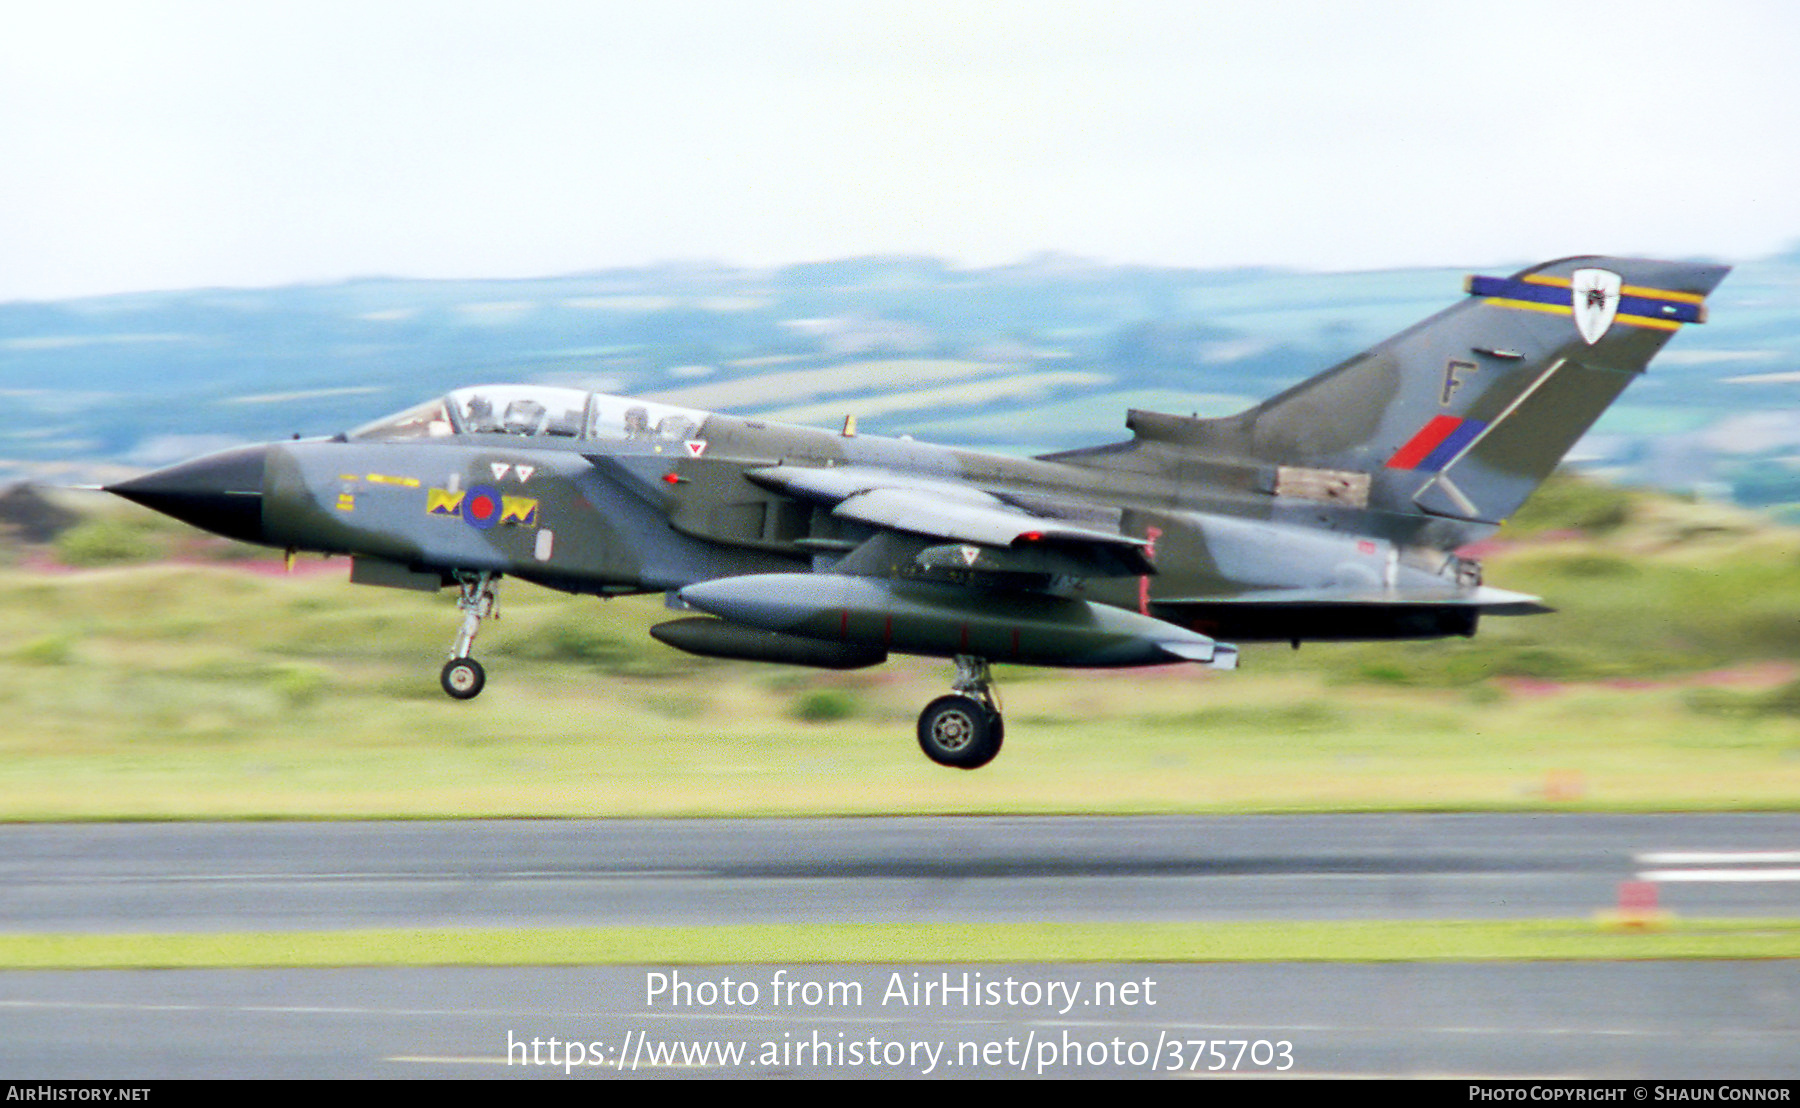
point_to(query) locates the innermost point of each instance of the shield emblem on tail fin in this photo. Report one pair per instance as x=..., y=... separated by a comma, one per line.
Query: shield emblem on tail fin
x=1596, y=301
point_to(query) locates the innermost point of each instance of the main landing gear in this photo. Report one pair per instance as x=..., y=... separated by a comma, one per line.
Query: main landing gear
x=463, y=676
x=964, y=729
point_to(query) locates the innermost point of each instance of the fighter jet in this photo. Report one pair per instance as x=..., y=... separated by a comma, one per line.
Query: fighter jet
x=1333, y=511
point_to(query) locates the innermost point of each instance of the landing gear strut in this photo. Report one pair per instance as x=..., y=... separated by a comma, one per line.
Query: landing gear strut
x=463, y=677
x=965, y=729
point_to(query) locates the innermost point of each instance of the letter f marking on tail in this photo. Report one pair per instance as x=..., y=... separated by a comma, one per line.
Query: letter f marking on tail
x=1453, y=380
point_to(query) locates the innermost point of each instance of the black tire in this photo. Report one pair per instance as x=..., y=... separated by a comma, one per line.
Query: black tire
x=960, y=732
x=463, y=678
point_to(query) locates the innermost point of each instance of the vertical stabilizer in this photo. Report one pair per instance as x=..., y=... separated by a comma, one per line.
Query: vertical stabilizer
x=1463, y=415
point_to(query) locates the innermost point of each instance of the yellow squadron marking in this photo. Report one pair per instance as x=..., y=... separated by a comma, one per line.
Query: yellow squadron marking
x=1626, y=290
x=1564, y=309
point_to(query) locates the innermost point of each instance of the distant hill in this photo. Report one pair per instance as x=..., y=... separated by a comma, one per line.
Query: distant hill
x=1041, y=355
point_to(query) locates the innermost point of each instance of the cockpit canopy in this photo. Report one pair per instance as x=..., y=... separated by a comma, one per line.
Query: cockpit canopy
x=538, y=411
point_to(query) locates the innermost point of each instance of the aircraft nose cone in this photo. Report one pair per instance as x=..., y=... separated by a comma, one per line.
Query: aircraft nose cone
x=222, y=492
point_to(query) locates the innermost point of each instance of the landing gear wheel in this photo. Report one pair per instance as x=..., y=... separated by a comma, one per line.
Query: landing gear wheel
x=463, y=678
x=960, y=731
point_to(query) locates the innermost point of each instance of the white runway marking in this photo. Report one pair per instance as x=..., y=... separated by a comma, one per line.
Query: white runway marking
x=444, y=875
x=1719, y=858
x=1723, y=866
x=1694, y=875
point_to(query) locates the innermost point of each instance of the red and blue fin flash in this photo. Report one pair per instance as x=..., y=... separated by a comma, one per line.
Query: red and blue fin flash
x=1437, y=443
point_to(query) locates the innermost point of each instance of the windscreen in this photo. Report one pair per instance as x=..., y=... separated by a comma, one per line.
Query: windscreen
x=539, y=411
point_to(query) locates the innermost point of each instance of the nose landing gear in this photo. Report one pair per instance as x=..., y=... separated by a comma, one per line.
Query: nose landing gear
x=963, y=730
x=462, y=677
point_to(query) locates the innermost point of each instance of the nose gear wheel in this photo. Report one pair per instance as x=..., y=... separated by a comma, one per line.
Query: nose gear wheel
x=462, y=676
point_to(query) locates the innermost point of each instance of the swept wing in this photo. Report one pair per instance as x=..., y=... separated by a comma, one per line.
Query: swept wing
x=960, y=513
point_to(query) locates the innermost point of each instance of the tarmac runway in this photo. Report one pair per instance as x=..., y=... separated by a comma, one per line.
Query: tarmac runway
x=1630, y=1020
x=1640, y=1021
x=237, y=876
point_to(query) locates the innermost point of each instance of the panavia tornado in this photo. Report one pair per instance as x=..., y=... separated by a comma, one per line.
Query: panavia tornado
x=1330, y=512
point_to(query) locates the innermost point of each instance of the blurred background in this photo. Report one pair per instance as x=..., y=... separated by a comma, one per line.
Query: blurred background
x=995, y=226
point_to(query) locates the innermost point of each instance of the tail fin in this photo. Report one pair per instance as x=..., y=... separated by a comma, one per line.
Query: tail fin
x=1463, y=415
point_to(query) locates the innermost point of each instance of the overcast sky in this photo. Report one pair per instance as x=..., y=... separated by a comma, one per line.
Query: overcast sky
x=179, y=143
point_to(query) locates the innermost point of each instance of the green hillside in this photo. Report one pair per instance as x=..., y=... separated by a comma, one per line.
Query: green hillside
x=1033, y=357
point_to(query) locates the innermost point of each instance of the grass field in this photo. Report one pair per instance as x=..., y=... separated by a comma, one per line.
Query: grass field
x=223, y=689
x=1271, y=941
x=1098, y=418
x=784, y=387
x=961, y=396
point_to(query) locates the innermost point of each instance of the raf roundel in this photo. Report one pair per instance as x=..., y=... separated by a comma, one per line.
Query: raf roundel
x=481, y=507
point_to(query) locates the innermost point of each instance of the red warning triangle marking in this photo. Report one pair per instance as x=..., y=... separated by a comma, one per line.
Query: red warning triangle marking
x=695, y=447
